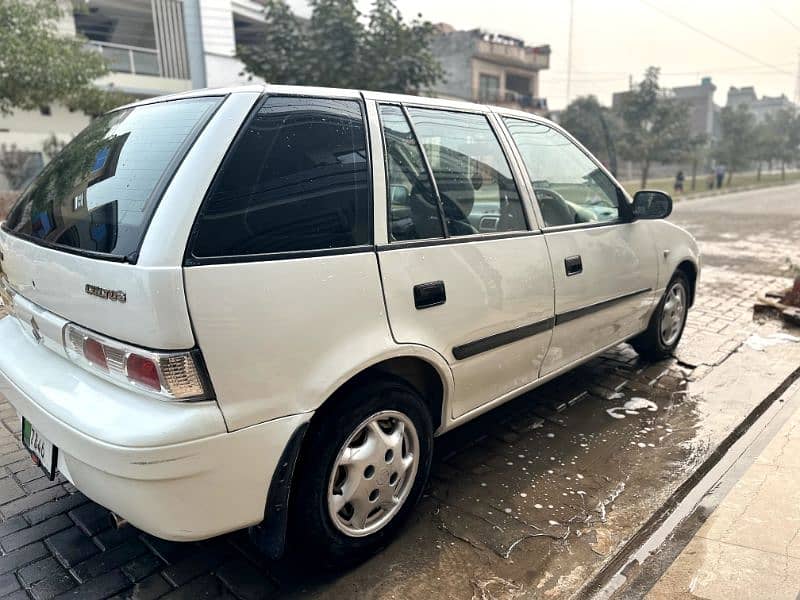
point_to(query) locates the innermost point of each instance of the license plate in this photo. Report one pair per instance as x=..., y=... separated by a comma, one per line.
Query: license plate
x=42, y=450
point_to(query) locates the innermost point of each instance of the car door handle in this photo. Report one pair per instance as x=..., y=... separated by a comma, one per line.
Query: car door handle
x=573, y=265
x=429, y=294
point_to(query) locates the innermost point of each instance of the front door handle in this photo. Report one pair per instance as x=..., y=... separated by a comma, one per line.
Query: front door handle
x=573, y=265
x=429, y=294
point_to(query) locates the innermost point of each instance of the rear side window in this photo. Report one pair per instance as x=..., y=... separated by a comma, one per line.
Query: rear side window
x=296, y=180
x=413, y=207
x=474, y=180
x=98, y=194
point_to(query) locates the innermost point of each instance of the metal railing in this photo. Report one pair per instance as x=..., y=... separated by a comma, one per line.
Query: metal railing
x=129, y=59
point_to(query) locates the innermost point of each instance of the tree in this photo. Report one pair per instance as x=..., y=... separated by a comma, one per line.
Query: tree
x=782, y=132
x=697, y=153
x=655, y=125
x=734, y=148
x=336, y=47
x=594, y=126
x=39, y=66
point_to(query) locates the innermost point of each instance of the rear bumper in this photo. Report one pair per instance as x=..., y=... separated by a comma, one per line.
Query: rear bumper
x=170, y=469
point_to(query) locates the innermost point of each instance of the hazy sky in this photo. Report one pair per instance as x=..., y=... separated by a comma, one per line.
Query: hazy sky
x=617, y=38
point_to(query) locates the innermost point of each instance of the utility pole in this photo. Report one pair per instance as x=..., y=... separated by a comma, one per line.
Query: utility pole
x=797, y=83
x=569, y=49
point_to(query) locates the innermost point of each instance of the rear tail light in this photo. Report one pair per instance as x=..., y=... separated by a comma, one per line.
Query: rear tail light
x=167, y=375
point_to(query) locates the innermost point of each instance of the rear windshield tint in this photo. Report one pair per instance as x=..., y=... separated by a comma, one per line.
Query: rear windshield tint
x=98, y=194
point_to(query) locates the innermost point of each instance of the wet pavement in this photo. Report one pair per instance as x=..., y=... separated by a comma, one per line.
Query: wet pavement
x=527, y=501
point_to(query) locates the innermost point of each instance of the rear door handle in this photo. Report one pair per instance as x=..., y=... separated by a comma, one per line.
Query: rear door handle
x=429, y=294
x=573, y=265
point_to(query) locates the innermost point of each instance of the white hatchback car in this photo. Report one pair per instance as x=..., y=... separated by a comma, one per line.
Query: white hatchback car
x=256, y=307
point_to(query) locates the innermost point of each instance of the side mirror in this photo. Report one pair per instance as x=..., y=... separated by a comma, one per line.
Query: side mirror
x=651, y=204
x=398, y=195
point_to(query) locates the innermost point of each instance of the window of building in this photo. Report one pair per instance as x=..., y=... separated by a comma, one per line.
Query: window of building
x=472, y=175
x=413, y=207
x=488, y=87
x=570, y=188
x=296, y=180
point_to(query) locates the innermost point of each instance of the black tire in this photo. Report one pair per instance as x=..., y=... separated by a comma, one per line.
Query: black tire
x=650, y=344
x=311, y=528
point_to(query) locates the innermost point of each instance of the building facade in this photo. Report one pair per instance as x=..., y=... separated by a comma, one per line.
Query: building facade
x=760, y=107
x=153, y=47
x=703, y=112
x=489, y=68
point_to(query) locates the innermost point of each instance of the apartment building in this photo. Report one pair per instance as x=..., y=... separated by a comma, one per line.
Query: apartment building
x=489, y=68
x=153, y=47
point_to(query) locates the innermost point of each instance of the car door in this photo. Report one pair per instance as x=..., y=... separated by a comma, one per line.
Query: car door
x=604, y=263
x=465, y=270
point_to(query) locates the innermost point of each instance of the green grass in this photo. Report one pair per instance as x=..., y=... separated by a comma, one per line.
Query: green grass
x=740, y=181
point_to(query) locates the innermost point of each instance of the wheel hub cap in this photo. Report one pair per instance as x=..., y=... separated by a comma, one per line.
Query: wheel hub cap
x=672, y=314
x=373, y=473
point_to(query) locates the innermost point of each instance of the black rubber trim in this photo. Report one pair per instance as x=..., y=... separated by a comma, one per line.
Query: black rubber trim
x=193, y=261
x=461, y=239
x=270, y=535
x=501, y=339
x=586, y=310
x=513, y=335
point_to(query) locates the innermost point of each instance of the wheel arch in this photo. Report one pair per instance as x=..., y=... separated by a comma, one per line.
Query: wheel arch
x=689, y=269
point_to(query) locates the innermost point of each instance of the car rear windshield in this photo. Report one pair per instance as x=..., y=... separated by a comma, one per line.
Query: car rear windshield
x=98, y=194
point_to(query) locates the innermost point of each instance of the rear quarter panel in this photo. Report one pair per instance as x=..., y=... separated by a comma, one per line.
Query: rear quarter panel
x=674, y=245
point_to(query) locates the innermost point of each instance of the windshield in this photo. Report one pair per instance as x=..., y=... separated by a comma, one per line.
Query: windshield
x=98, y=194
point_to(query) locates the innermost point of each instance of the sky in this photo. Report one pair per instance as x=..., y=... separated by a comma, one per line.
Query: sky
x=755, y=42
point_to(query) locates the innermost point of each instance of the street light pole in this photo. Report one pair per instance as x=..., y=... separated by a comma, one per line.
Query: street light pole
x=569, y=50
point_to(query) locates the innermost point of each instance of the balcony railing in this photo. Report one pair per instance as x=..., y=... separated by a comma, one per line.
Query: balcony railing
x=526, y=56
x=129, y=59
x=512, y=99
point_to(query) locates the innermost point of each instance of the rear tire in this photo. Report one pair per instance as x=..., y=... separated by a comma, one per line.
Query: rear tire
x=666, y=325
x=364, y=467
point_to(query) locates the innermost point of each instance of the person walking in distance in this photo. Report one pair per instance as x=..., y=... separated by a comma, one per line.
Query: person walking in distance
x=679, y=178
x=720, y=174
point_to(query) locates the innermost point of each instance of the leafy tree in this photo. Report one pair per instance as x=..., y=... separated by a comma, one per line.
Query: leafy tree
x=781, y=130
x=280, y=56
x=336, y=47
x=735, y=148
x=655, y=126
x=594, y=126
x=38, y=65
x=697, y=152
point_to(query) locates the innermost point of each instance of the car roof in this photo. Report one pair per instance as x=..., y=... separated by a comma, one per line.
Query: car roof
x=299, y=90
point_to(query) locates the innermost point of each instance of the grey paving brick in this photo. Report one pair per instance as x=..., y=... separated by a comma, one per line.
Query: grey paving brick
x=203, y=560
x=142, y=567
x=18, y=595
x=71, y=546
x=43, y=483
x=106, y=561
x=206, y=586
x=169, y=552
x=23, y=556
x=29, y=474
x=12, y=525
x=37, y=571
x=35, y=533
x=51, y=586
x=149, y=588
x=245, y=580
x=111, y=538
x=99, y=587
x=28, y=502
x=56, y=507
x=9, y=490
x=20, y=464
x=92, y=518
x=8, y=584
x=15, y=456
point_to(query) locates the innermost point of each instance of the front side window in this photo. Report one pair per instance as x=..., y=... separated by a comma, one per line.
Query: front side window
x=296, y=180
x=569, y=187
x=474, y=181
x=98, y=193
x=413, y=208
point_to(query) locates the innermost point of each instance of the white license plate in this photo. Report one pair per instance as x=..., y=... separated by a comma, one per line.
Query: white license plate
x=41, y=449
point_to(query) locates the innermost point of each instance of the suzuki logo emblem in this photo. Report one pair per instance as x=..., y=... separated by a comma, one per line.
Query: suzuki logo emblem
x=35, y=331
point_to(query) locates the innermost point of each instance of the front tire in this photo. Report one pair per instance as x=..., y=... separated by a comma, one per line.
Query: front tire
x=666, y=326
x=365, y=465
